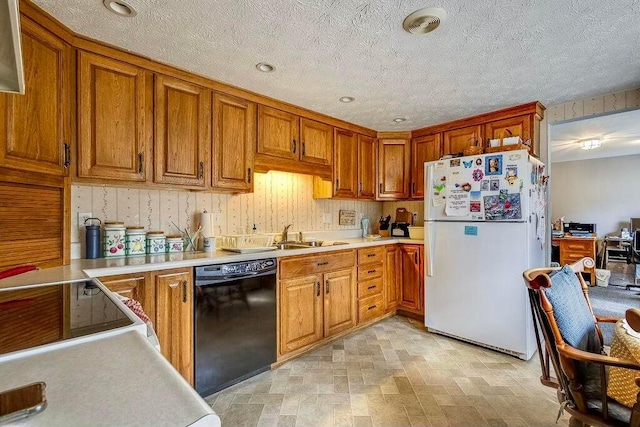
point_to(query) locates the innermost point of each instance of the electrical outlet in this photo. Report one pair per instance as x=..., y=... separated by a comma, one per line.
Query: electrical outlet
x=82, y=292
x=83, y=216
x=326, y=218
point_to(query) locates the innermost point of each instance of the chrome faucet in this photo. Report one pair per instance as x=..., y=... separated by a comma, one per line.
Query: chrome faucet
x=285, y=233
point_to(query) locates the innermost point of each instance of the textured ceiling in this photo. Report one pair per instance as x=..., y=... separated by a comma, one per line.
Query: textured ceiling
x=488, y=54
x=619, y=133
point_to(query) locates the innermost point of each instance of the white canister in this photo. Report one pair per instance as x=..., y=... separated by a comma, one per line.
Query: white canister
x=136, y=241
x=174, y=244
x=114, y=239
x=156, y=242
x=209, y=244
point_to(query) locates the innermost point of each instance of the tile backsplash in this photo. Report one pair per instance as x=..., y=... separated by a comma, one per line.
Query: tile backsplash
x=278, y=199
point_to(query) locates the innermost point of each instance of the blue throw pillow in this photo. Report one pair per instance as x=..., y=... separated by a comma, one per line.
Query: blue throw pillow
x=571, y=311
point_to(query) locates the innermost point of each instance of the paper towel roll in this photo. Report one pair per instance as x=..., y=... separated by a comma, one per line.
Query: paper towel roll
x=206, y=220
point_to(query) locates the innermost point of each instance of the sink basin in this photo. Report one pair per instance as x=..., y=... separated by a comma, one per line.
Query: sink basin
x=298, y=245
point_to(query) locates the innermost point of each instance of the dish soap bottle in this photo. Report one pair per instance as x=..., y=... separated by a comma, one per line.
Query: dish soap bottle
x=364, y=223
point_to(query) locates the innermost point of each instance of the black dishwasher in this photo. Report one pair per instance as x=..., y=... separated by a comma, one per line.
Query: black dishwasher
x=235, y=322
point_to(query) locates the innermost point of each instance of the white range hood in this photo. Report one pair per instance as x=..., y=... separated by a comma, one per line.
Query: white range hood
x=11, y=73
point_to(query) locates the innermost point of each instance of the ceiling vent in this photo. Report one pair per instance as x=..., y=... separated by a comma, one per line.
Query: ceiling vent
x=424, y=21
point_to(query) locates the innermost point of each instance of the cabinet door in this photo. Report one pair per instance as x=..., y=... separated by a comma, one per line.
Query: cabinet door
x=174, y=319
x=391, y=280
x=515, y=126
x=366, y=167
x=136, y=287
x=182, y=136
x=394, y=168
x=234, y=141
x=423, y=149
x=454, y=141
x=35, y=128
x=339, y=301
x=278, y=133
x=114, y=119
x=409, y=289
x=345, y=163
x=300, y=312
x=316, y=142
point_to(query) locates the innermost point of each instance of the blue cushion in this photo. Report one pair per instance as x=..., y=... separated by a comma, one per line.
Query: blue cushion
x=571, y=311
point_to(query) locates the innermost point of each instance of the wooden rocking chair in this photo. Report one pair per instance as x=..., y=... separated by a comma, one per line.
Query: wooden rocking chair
x=573, y=346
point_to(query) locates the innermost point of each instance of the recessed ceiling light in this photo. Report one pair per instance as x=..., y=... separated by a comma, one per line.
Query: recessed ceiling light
x=399, y=119
x=590, y=144
x=264, y=67
x=347, y=99
x=120, y=7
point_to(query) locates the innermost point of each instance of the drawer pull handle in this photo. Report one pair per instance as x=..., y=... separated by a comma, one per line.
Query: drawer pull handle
x=372, y=307
x=370, y=255
x=318, y=289
x=184, y=291
x=327, y=283
x=372, y=287
x=322, y=263
x=371, y=271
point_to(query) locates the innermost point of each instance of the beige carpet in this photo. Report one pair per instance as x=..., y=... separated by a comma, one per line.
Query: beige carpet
x=393, y=374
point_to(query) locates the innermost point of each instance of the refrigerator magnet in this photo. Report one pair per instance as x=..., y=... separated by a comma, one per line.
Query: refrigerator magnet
x=479, y=161
x=477, y=175
x=454, y=163
x=494, y=185
x=467, y=164
x=484, y=185
x=493, y=165
x=511, y=175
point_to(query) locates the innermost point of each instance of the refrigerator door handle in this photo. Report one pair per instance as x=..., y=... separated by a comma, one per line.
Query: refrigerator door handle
x=429, y=246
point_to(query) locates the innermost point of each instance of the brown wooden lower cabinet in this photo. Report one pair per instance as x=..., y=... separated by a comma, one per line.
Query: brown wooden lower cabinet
x=166, y=297
x=391, y=277
x=318, y=304
x=410, y=276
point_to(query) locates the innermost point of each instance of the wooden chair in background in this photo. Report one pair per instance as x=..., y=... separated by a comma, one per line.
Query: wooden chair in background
x=572, y=345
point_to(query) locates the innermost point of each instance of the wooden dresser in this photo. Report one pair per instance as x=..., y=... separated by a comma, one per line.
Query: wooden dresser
x=573, y=249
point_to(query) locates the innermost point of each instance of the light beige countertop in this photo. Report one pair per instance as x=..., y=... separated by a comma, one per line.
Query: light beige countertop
x=83, y=268
x=81, y=380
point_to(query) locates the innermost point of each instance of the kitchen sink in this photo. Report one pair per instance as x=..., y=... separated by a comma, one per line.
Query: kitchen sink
x=298, y=245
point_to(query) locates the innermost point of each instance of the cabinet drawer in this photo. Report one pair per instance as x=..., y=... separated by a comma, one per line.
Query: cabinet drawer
x=369, y=288
x=317, y=263
x=371, y=308
x=371, y=255
x=573, y=256
x=573, y=246
x=370, y=271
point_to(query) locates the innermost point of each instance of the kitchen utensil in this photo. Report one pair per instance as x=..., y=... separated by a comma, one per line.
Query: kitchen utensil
x=403, y=215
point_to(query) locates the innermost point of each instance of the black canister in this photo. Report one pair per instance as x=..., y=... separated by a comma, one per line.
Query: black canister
x=92, y=247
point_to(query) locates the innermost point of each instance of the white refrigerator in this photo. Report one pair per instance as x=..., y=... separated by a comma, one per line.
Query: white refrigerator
x=484, y=225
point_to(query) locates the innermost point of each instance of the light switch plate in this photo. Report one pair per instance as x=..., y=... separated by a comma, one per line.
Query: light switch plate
x=82, y=217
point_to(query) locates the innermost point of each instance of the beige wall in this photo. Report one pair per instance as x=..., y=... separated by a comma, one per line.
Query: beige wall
x=278, y=199
x=603, y=191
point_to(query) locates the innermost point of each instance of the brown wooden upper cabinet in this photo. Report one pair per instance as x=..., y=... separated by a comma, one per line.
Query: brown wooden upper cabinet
x=424, y=149
x=282, y=135
x=366, y=167
x=182, y=133
x=394, y=157
x=278, y=133
x=234, y=139
x=454, y=141
x=115, y=119
x=514, y=126
x=345, y=151
x=316, y=142
x=35, y=128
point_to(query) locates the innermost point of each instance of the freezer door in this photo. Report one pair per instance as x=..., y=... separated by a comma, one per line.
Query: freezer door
x=473, y=284
x=501, y=179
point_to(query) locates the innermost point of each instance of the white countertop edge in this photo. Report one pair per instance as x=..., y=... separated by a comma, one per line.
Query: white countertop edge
x=88, y=268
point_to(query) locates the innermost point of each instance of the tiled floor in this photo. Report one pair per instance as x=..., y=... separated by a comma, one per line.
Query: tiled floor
x=393, y=374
